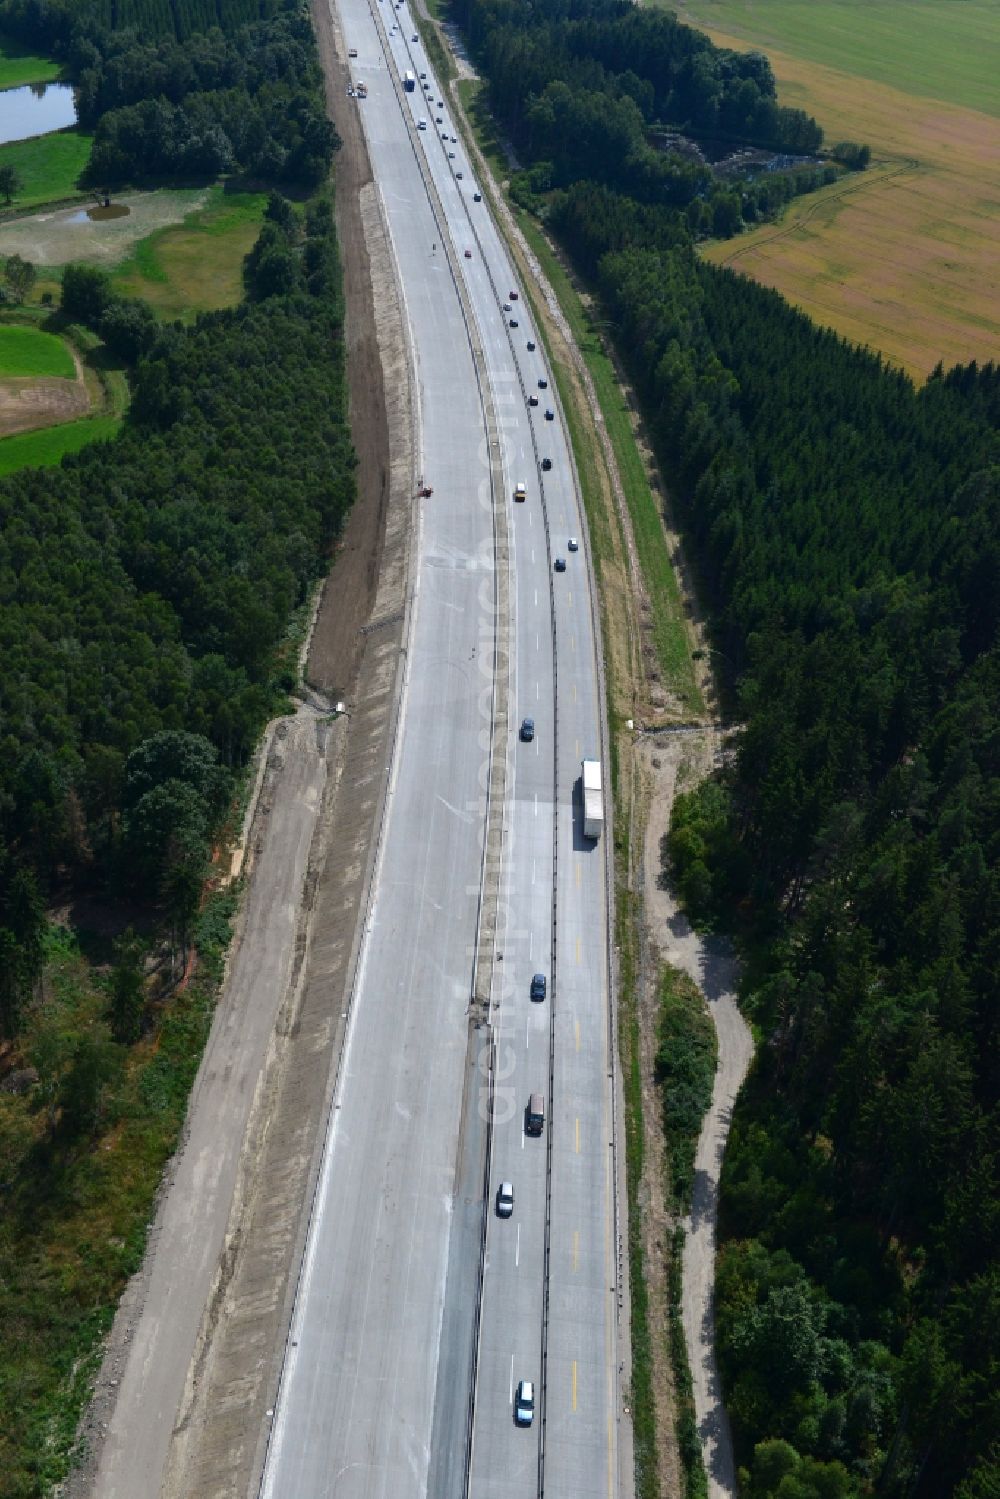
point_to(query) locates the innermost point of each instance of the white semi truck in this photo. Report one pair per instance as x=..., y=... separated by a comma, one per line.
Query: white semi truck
x=593, y=799
x=409, y=82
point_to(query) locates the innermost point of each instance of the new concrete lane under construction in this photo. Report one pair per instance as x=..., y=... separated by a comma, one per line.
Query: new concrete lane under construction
x=355, y=1406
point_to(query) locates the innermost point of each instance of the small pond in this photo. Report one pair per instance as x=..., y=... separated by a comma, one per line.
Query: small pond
x=35, y=109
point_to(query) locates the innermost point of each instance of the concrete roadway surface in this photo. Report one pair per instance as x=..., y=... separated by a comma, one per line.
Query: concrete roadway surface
x=551, y=613
x=357, y=1400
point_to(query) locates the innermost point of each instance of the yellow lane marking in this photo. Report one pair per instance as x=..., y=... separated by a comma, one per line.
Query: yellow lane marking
x=578, y=958
x=579, y=875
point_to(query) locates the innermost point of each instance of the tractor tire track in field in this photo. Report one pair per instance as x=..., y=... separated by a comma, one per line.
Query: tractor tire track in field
x=851, y=187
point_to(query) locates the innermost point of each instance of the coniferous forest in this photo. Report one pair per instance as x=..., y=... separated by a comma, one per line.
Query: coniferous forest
x=844, y=528
x=148, y=588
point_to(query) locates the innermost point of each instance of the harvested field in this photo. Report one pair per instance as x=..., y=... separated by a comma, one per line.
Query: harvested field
x=41, y=381
x=936, y=49
x=904, y=257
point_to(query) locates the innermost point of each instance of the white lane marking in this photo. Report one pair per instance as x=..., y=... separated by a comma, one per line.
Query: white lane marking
x=510, y=1395
x=457, y=810
x=517, y=1261
x=536, y=598
x=532, y=871
x=532, y=555
x=526, y=1025
x=538, y=691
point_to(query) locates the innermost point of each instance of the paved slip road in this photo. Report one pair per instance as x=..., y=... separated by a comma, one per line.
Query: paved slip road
x=356, y=1406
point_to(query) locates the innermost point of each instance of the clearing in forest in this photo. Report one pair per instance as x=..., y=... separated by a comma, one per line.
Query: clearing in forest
x=905, y=256
x=196, y=266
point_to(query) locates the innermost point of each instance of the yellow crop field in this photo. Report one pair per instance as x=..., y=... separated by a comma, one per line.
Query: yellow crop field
x=906, y=256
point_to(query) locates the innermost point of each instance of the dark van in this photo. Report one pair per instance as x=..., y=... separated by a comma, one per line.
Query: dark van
x=534, y=1114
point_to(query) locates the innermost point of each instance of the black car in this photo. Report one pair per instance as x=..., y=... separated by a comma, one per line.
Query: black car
x=477, y=197
x=560, y=564
x=527, y=730
x=538, y=986
x=513, y=322
x=543, y=384
x=550, y=416
x=531, y=345
x=546, y=464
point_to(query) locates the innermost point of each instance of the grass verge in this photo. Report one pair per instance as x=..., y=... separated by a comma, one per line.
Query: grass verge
x=196, y=266
x=81, y=1153
x=18, y=65
x=48, y=166
x=29, y=351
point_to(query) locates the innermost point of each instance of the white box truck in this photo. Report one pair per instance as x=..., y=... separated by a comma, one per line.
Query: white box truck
x=409, y=82
x=593, y=799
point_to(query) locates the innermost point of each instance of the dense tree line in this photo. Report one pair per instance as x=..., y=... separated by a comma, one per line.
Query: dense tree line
x=147, y=582
x=194, y=105
x=845, y=529
x=583, y=89
x=845, y=526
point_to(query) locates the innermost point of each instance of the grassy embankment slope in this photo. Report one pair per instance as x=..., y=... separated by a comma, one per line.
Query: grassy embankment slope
x=18, y=65
x=903, y=258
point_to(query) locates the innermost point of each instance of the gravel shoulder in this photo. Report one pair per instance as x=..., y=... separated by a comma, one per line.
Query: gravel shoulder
x=674, y=762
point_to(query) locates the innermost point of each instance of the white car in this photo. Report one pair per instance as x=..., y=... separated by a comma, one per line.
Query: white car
x=573, y=545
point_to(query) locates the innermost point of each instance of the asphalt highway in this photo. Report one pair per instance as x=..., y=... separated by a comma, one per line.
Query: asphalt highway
x=359, y=1390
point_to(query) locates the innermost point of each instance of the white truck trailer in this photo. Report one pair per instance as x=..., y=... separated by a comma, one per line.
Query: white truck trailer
x=409, y=82
x=593, y=799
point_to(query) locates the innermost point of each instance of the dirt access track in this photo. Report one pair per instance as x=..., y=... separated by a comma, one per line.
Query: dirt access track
x=180, y=1406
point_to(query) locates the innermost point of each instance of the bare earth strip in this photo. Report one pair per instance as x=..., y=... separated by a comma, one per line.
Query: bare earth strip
x=42, y=401
x=906, y=257
x=709, y=962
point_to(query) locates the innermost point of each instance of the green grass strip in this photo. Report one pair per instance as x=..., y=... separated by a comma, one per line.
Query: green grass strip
x=28, y=351
x=46, y=447
x=18, y=65
x=48, y=166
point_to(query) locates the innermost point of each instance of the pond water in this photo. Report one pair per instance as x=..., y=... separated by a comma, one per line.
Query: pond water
x=98, y=214
x=35, y=109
